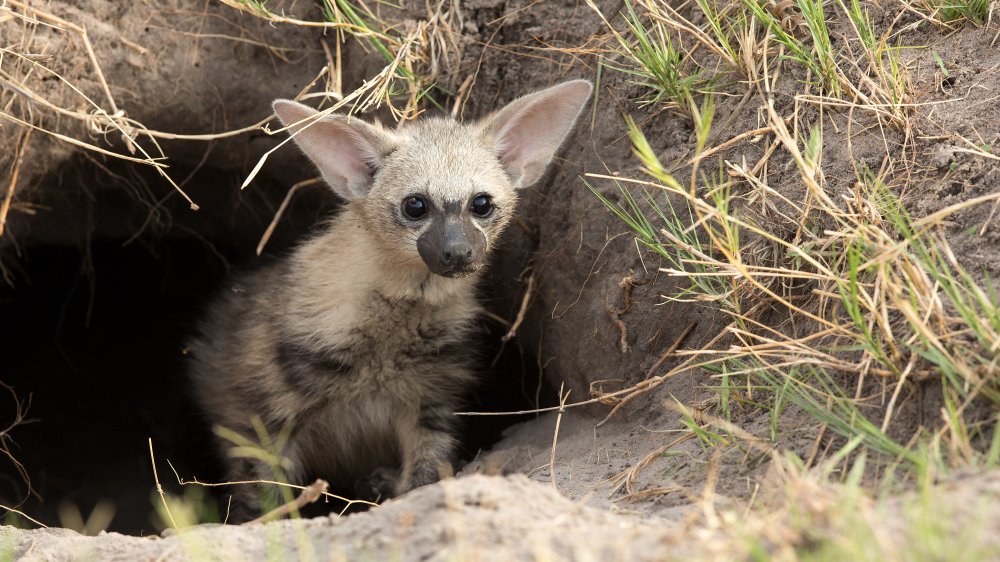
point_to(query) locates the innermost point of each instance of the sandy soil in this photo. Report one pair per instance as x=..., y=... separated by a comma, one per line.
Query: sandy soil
x=514, y=518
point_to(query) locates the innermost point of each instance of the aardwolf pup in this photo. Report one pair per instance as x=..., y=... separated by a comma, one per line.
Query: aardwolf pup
x=355, y=345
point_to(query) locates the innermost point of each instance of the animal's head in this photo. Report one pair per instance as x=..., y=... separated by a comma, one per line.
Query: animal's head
x=439, y=191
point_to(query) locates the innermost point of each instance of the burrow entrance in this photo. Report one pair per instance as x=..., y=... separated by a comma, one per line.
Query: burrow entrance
x=93, y=339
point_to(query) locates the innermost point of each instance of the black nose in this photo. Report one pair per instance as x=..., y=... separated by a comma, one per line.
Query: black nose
x=457, y=254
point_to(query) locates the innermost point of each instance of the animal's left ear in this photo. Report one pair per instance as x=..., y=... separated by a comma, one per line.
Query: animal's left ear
x=527, y=132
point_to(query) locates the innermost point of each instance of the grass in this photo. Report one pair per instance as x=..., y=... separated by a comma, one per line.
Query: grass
x=274, y=491
x=412, y=54
x=976, y=12
x=880, y=78
x=934, y=316
x=844, y=521
x=707, y=438
x=882, y=300
x=418, y=57
x=67, y=108
x=678, y=61
x=658, y=63
x=818, y=57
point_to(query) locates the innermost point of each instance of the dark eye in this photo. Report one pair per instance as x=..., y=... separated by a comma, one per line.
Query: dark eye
x=482, y=206
x=414, y=207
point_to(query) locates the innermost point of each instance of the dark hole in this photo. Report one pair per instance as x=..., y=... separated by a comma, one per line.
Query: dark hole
x=101, y=358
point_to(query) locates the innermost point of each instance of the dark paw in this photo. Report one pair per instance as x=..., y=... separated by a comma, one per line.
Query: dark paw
x=430, y=474
x=426, y=477
x=377, y=486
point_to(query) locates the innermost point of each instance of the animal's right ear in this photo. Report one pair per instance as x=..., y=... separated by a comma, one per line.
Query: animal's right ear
x=346, y=151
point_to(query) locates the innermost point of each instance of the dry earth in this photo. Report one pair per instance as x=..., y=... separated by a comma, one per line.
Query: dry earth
x=513, y=518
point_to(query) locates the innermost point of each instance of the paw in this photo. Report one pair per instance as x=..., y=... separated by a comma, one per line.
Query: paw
x=431, y=475
x=378, y=486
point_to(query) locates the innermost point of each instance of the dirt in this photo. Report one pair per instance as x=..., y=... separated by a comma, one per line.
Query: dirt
x=112, y=268
x=515, y=518
x=482, y=518
x=961, y=116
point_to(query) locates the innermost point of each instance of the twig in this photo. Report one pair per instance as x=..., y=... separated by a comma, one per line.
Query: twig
x=496, y=318
x=25, y=515
x=670, y=350
x=598, y=400
x=22, y=146
x=731, y=142
x=281, y=210
x=603, y=398
x=461, y=96
x=653, y=382
x=159, y=487
x=982, y=231
x=937, y=216
x=555, y=434
x=196, y=482
x=308, y=495
x=624, y=478
x=522, y=311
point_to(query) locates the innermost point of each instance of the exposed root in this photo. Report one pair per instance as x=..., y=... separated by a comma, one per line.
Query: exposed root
x=626, y=284
x=20, y=417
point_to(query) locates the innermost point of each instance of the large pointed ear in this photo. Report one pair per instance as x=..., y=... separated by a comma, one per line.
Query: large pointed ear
x=527, y=132
x=346, y=151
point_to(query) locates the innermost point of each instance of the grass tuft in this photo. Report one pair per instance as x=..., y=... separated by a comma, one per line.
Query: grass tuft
x=886, y=298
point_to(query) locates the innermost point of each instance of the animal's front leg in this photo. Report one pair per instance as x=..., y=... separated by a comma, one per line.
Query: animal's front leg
x=427, y=444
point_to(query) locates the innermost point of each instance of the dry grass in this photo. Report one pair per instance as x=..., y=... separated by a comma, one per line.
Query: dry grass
x=29, y=105
x=420, y=55
x=878, y=296
x=180, y=512
x=83, y=114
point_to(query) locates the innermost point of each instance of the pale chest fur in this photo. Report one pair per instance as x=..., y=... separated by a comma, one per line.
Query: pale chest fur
x=354, y=330
x=402, y=336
